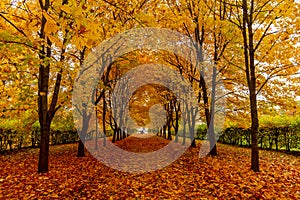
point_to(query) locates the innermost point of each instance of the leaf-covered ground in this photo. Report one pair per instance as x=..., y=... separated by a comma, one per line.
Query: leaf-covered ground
x=226, y=176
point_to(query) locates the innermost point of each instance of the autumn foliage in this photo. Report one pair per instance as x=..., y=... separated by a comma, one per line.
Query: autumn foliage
x=253, y=48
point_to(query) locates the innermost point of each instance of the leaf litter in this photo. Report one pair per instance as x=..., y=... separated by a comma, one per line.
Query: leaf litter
x=226, y=176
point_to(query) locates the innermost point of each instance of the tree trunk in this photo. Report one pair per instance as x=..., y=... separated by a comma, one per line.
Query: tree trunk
x=164, y=132
x=254, y=133
x=191, y=124
x=251, y=80
x=177, y=110
x=211, y=128
x=103, y=119
x=44, y=148
x=80, y=150
x=169, y=132
x=118, y=134
x=83, y=132
x=114, y=135
x=209, y=116
x=270, y=142
x=43, y=83
x=184, y=132
x=261, y=141
x=46, y=115
x=192, y=131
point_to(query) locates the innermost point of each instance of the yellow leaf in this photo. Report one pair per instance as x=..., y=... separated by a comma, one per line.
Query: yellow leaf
x=50, y=26
x=55, y=40
x=89, y=43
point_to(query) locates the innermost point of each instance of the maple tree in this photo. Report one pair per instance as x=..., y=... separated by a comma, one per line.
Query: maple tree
x=254, y=21
x=46, y=41
x=199, y=27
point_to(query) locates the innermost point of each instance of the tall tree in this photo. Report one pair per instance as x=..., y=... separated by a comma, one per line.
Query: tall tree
x=260, y=23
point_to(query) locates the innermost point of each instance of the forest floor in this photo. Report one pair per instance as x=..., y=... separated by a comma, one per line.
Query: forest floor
x=226, y=176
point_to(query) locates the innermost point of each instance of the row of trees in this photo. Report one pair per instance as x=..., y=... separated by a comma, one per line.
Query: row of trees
x=280, y=132
x=252, y=44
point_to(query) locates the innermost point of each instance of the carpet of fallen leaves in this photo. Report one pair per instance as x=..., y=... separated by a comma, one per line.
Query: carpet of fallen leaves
x=226, y=176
